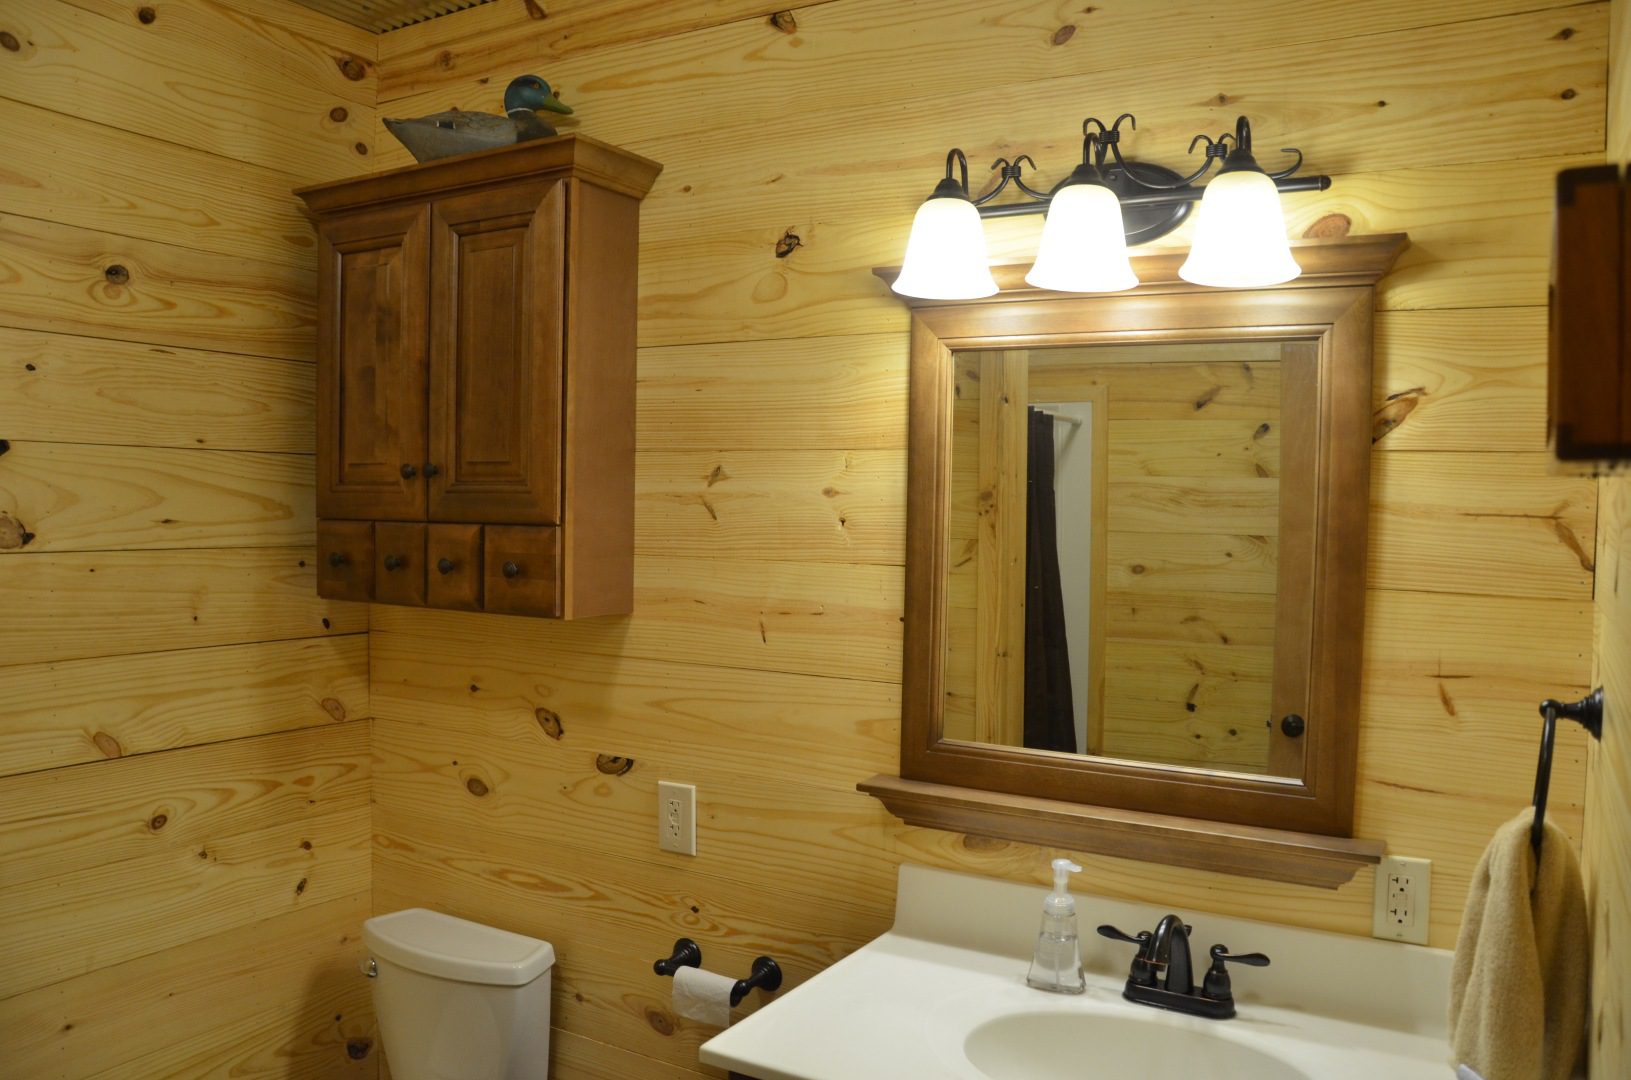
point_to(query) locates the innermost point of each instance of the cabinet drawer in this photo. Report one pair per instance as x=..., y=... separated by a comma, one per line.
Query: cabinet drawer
x=399, y=563
x=345, y=560
x=521, y=574
x=453, y=567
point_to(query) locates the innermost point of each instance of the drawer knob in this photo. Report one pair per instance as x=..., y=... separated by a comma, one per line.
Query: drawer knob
x=1293, y=725
x=444, y=566
x=337, y=559
x=432, y=470
x=393, y=562
x=409, y=472
x=512, y=570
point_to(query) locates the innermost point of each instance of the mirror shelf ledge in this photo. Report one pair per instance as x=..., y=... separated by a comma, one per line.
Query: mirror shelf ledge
x=1298, y=858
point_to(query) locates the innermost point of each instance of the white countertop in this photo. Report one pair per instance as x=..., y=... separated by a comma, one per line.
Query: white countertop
x=1337, y=1007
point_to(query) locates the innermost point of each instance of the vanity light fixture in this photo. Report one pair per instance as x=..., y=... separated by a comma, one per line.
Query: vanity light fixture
x=1240, y=239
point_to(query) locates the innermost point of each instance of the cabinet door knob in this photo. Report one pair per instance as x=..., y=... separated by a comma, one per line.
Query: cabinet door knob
x=512, y=570
x=393, y=562
x=409, y=472
x=432, y=470
x=337, y=559
x=444, y=566
x=1293, y=725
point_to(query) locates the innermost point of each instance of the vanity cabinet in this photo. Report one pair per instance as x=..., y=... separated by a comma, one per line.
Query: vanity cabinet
x=475, y=380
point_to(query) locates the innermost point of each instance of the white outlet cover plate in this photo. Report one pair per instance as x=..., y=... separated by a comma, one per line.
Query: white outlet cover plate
x=677, y=817
x=1414, y=878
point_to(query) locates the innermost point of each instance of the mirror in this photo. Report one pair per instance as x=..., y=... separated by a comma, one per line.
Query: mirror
x=1135, y=574
x=1113, y=557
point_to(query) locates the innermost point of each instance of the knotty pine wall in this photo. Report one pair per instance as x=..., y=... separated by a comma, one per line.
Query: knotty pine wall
x=763, y=658
x=1607, y=855
x=184, y=737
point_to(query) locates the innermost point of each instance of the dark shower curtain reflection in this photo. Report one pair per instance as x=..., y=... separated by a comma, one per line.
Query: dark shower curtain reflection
x=1050, y=719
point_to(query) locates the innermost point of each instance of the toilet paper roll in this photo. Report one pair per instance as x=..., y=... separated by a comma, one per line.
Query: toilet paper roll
x=703, y=996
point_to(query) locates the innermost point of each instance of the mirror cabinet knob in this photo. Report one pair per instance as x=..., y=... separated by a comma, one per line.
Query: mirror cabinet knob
x=511, y=570
x=337, y=559
x=1293, y=725
x=393, y=562
x=444, y=566
x=409, y=472
x=432, y=470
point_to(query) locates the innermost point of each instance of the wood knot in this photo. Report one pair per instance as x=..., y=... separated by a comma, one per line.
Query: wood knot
x=789, y=240
x=1569, y=94
x=300, y=886
x=785, y=22
x=338, y=114
x=613, y=764
x=550, y=722
x=8, y=41
x=351, y=67
x=1564, y=34
x=305, y=845
x=108, y=745
x=158, y=821
x=1137, y=568
x=361, y=148
x=13, y=534
x=476, y=786
x=1064, y=33
x=334, y=708
x=535, y=10
x=983, y=843
x=660, y=1022
x=1394, y=411
x=444, y=60
x=146, y=15
x=357, y=1049
x=116, y=274
x=1331, y=225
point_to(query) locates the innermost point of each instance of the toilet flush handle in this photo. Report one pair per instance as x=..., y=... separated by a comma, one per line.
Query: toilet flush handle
x=369, y=968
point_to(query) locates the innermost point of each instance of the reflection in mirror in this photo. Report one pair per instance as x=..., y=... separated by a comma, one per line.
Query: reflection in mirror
x=1113, y=545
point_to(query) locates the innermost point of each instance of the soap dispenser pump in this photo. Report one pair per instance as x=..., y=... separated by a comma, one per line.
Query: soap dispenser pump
x=1057, y=964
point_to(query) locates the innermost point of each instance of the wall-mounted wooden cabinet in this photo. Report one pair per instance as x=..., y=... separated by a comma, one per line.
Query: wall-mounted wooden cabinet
x=475, y=410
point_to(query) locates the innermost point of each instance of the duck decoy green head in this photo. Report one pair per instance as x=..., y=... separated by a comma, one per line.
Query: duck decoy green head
x=532, y=93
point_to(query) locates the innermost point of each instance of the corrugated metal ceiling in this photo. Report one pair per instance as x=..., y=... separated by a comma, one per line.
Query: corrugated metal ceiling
x=382, y=15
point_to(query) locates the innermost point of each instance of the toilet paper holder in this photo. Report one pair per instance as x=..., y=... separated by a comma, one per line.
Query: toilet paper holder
x=767, y=974
x=687, y=953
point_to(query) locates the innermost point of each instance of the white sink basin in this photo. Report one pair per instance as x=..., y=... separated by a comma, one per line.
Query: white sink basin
x=1071, y=1046
x=942, y=995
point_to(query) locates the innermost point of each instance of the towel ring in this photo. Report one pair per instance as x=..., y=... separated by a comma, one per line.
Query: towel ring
x=1588, y=713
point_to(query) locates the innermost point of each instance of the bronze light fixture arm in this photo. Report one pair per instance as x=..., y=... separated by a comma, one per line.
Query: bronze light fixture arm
x=1141, y=186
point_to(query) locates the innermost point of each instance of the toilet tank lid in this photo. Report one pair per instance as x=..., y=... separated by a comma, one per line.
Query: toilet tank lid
x=452, y=948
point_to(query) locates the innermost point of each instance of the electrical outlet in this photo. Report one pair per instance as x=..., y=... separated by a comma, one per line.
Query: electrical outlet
x=1403, y=895
x=677, y=817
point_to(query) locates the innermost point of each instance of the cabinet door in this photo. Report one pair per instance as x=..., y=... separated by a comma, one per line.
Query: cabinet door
x=495, y=355
x=453, y=567
x=399, y=563
x=345, y=560
x=374, y=300
x=521, y=570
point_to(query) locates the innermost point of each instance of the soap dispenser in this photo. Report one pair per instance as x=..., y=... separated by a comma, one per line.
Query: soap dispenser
x=1057, y=965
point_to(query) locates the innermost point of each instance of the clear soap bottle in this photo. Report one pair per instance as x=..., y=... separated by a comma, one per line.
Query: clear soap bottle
x=1057, y=965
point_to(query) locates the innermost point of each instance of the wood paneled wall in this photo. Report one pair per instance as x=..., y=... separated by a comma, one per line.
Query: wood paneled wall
x=184, y=733
x=1607, y=855
x=763, y=658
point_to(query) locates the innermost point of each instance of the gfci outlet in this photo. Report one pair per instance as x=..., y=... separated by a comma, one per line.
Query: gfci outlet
x=677, y=817
x=1403, y=892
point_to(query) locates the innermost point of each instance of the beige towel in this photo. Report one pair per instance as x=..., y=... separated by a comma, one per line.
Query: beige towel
x=1519, y=984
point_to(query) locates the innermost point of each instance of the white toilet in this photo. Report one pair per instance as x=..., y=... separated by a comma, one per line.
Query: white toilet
x=457, y=1000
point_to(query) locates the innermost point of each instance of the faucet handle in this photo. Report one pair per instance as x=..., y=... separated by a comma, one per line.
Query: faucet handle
x=1216, y=984
x=1114, y=934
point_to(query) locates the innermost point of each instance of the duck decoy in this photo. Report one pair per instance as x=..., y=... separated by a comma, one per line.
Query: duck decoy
x=445, y=134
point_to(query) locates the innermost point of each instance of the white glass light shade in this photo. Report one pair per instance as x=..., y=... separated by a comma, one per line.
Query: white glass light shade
x=945, y=255
x=1084, y=243
x=1240, y=239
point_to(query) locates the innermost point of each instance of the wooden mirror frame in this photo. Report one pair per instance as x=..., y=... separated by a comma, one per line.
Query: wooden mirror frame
x=1291, y=829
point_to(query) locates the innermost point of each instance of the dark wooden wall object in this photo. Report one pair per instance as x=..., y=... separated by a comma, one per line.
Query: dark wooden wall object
x=1588, y=377
x=1290, y=829
x=476, y=357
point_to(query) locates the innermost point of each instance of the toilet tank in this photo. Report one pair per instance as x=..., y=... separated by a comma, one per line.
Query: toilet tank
x=458, y=1000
